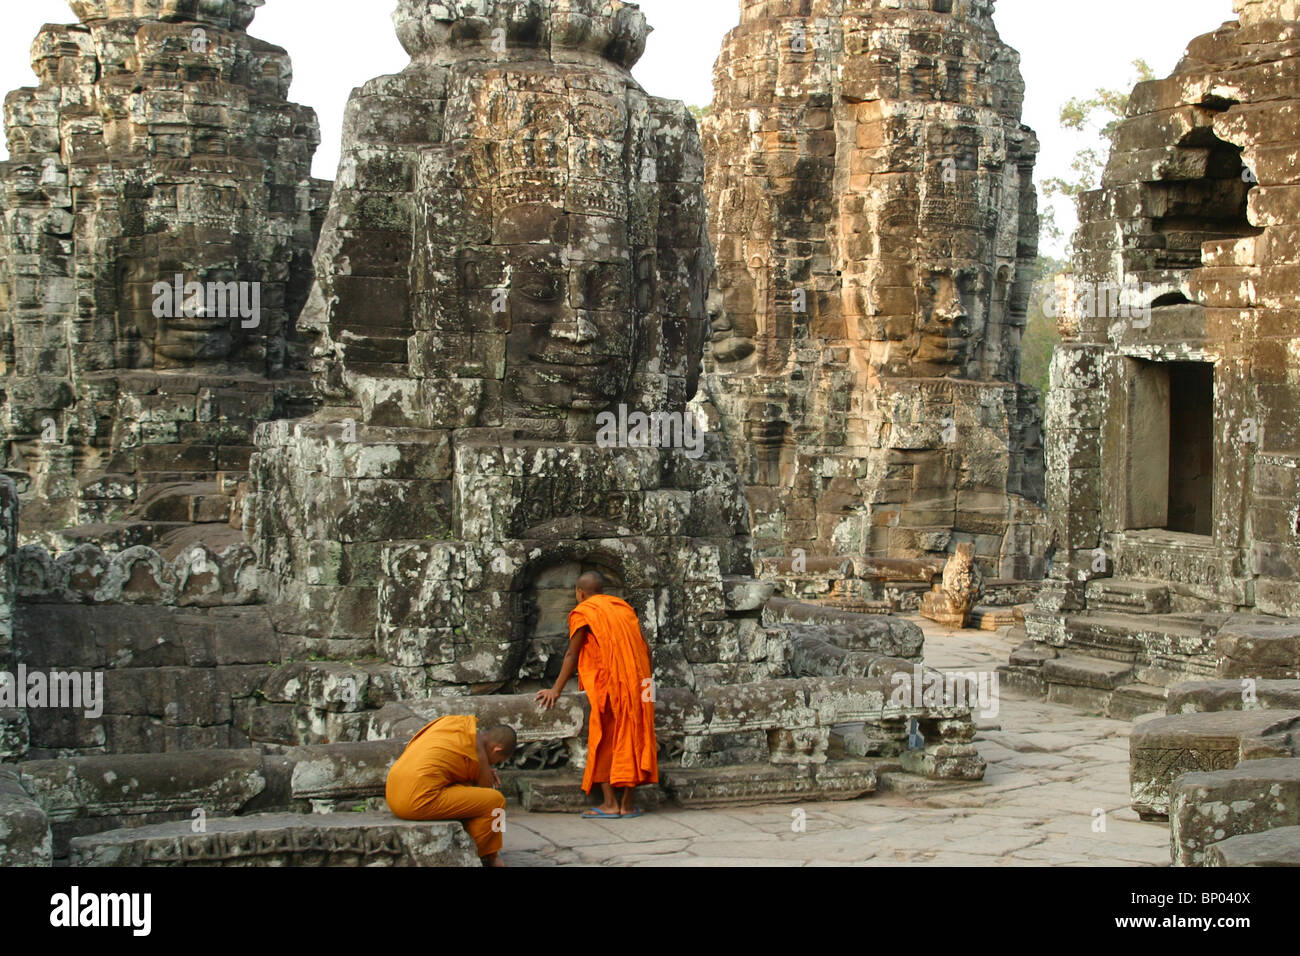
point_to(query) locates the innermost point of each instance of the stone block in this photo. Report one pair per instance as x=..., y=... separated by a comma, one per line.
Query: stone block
x=281, y=839
x=24, y=829
x=1162, y=749
x=1207, y=808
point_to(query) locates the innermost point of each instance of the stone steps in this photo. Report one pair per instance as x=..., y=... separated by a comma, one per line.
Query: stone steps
x=700, y=787
x=1125, y=636
x=1133, y=597
x=985, y=618
x=283, y=839
x=1077, y=670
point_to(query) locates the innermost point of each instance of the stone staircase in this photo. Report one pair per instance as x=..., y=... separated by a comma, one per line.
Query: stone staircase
x=1121, y=655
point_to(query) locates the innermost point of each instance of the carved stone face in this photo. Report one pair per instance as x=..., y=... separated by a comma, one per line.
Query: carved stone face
x=729, y=343
x=567, y=291
x=571, y=332
x=947, y=304
x=174, y=337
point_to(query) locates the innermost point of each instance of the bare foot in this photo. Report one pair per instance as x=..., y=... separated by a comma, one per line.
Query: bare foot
x=494, y=860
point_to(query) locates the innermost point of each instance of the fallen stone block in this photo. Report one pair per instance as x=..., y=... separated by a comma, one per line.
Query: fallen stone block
x=284, y=839
x=25, y=838
x=884, y=635
x=1243, y=694
x=1135, y=700
x=1280, y=847
x=216, y=781
x=1209, y=808
x=1162, y=749
x=758, y=784
x=1260, y=649
x=342, y=771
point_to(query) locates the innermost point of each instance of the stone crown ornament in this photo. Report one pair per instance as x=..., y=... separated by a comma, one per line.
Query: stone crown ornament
x=225, y=14
x=608, y=28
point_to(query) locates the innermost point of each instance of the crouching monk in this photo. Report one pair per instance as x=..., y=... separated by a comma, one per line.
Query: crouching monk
x=445, y=773
x=610, y=654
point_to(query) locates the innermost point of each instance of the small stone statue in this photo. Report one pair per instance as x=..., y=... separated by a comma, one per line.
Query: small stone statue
x=952, y=599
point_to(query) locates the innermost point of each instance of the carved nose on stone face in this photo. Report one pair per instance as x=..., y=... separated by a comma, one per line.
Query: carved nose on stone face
x=577, y=329
x=950, y=306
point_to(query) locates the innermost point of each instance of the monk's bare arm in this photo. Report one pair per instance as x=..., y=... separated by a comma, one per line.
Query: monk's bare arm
x=547, y=698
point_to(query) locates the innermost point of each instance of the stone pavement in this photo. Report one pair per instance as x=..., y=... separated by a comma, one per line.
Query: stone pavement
x=1055, y=776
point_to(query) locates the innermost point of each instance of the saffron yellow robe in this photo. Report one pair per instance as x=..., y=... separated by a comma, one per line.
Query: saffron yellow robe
x=436, y=778
x=614, y=669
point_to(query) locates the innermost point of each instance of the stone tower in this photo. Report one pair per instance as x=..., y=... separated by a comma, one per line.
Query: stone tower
x=1174, y=449
x=874, y=218
x=158, y=148
x=517, y=246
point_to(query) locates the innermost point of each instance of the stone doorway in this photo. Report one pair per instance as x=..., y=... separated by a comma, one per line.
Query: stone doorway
x=547, y=602
x=1170, y=473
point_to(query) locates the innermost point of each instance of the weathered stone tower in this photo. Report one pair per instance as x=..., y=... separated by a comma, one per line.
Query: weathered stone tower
x=158, y=144
x=874, y=219
x=517, y=244
x=1174, y=450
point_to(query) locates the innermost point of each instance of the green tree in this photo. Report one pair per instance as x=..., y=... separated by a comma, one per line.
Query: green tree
x=1041, y=336
x=1099, y=114
x=699, y=112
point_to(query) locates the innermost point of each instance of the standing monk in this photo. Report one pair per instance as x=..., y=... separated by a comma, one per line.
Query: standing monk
x=612, y=659
x=445, y=773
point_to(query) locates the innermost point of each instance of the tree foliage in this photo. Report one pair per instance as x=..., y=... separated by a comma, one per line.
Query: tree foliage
x=1100, y=115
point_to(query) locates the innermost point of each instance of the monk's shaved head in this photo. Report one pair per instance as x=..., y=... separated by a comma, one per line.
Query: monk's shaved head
x=503, y=737
x=593, y=582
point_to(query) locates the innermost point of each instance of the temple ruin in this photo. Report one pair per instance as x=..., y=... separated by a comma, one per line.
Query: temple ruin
x=763, y=376
x=1173, y=450
x=155, y=250
x=873, y=211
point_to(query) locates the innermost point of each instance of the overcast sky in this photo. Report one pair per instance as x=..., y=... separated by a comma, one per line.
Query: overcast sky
x=1067, y=50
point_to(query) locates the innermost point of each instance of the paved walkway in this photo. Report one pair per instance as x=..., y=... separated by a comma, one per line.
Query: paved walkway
x=1056, y=777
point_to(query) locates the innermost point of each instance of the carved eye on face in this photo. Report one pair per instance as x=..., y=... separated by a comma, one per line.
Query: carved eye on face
x=607, y=287
x=542, y=289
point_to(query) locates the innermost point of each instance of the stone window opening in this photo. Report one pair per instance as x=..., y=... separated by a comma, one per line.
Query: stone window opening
x=1192, y=210
x=1170, y=469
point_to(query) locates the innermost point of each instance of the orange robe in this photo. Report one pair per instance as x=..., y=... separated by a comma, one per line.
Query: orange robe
x=436, y=778
x=614, y=670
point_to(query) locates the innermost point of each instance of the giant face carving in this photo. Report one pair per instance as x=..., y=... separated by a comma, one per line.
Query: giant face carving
x=572, y=312
x=206, y=328
x=947, y=306
x=556, y=266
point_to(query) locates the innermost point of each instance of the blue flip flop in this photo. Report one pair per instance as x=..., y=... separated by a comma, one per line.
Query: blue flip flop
x=596, y=813
x=634, y=814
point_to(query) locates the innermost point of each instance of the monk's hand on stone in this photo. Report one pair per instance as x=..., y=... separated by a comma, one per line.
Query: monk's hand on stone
x=547, y=698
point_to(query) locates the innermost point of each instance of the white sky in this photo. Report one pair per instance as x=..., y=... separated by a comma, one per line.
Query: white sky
x=1067, y=50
